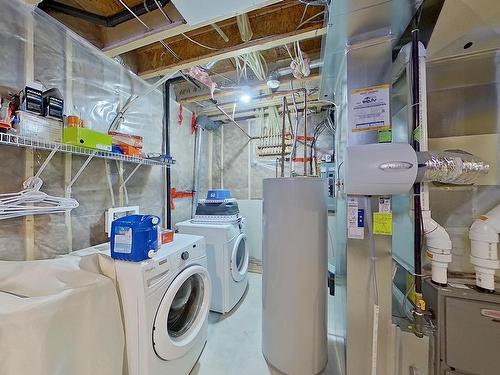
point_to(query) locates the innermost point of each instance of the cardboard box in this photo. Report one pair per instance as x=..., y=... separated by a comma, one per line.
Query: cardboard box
x=166, y=236
x=87, y=138
x=32, y=100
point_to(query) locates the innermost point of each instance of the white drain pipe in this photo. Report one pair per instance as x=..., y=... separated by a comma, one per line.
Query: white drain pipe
x=484, y=248
x=438, y=251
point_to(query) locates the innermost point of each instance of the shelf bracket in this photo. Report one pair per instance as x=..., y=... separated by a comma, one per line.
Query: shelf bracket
x=72, y=182
x=130, y=176
x=46, y=162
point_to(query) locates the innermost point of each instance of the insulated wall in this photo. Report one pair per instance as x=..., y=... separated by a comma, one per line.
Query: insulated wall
x=38, y=48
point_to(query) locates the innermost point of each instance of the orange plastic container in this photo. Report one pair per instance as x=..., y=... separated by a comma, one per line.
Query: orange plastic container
x=75, y=122
x=131, y=151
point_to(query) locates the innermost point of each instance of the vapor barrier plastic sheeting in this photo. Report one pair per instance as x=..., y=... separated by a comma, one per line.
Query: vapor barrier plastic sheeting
x=56, y=318
x=94, y=86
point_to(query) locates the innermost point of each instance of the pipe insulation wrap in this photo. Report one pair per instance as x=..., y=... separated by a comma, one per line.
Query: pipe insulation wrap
x=294, y=331
x=451, y=167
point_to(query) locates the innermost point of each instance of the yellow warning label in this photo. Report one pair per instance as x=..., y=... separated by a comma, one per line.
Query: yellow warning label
x=382, y=223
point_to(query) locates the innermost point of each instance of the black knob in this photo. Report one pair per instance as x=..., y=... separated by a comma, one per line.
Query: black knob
x=185, y=255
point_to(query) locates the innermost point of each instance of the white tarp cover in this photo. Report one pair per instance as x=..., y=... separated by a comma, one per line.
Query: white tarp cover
x=57, y=318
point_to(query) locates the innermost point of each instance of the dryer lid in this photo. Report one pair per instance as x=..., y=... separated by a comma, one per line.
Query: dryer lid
x=182, y=313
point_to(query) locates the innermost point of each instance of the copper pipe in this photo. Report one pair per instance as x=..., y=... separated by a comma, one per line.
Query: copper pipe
x=283, y=130
x=305, y=132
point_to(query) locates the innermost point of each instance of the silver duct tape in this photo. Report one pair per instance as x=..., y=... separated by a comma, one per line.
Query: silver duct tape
x=454, y=168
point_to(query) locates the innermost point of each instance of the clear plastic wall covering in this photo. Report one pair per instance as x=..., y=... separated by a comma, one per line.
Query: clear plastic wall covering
x=453, y=167
x=38, y=48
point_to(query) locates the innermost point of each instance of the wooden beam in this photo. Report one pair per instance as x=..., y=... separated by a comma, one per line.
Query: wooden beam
x=265, y=101
x=132, y=35
x=251, y=113
x=257, y=86
x=277, y=58
x=118, y=47
x=242, y=48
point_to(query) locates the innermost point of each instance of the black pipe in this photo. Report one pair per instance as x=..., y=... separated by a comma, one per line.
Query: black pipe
x=417, y=203
x=426, y=17
x=97, y=19
x=166, y=150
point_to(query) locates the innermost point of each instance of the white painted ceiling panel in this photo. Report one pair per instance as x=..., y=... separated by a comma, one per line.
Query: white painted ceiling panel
x=201, y=11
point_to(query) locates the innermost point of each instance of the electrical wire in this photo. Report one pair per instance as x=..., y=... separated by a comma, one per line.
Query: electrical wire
x=165, y=45
x=314, y=2
x=198, y=43
x=302, y=23
x=162, y=11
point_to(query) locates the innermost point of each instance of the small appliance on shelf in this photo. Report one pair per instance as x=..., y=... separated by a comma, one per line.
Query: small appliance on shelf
x=219, y=207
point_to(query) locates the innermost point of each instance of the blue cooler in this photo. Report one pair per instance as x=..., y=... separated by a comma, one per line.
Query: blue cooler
x=133, y=237
x=218, y=194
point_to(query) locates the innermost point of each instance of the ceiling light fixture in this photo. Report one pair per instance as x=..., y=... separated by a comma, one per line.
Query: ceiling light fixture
x=245, y=98
x=245, y=95
x=273, y=80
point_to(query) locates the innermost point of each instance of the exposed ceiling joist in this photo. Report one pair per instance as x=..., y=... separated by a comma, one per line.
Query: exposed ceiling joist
x=239, y=49
x=251, y=113
x=271, y=100
x=132, y=35
x=254, y=88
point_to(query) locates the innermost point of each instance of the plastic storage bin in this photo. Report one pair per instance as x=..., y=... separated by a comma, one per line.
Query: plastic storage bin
x=134, y=237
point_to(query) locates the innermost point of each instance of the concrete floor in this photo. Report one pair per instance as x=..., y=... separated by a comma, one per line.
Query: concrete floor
x=234, y=340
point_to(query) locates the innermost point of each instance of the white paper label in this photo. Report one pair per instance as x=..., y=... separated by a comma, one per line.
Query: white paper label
x=123, y=240
x=384, y=204
x=354, y=230
x=370, y=109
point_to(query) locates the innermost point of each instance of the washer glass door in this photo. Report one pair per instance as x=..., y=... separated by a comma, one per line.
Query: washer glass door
x=239, y=258
x=182, y=313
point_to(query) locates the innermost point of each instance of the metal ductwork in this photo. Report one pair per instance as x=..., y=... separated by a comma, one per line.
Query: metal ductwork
x=97, y=19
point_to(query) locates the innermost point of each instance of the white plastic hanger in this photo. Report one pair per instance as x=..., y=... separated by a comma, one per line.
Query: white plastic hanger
x=32, y=201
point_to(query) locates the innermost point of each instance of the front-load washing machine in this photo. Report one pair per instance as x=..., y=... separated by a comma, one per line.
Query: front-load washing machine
x=165, y=303
x=227, y=258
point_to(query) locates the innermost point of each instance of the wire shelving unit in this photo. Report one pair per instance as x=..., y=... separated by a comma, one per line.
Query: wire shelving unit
x=20, y=141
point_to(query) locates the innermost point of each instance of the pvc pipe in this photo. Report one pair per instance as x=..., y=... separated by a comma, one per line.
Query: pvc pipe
x=438, y=245
x=484, y=248
x=197, y=168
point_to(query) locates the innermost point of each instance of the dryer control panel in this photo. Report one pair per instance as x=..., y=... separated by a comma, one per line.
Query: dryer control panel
x=173, y=256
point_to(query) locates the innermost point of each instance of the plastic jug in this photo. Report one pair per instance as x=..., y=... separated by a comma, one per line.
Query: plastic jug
x=135, y=237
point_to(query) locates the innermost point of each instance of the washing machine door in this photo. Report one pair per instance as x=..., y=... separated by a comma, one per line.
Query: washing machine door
x=239, y=258
x=182, y=313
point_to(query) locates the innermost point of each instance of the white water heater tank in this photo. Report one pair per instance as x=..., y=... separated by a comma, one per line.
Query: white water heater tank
x=294, y=331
